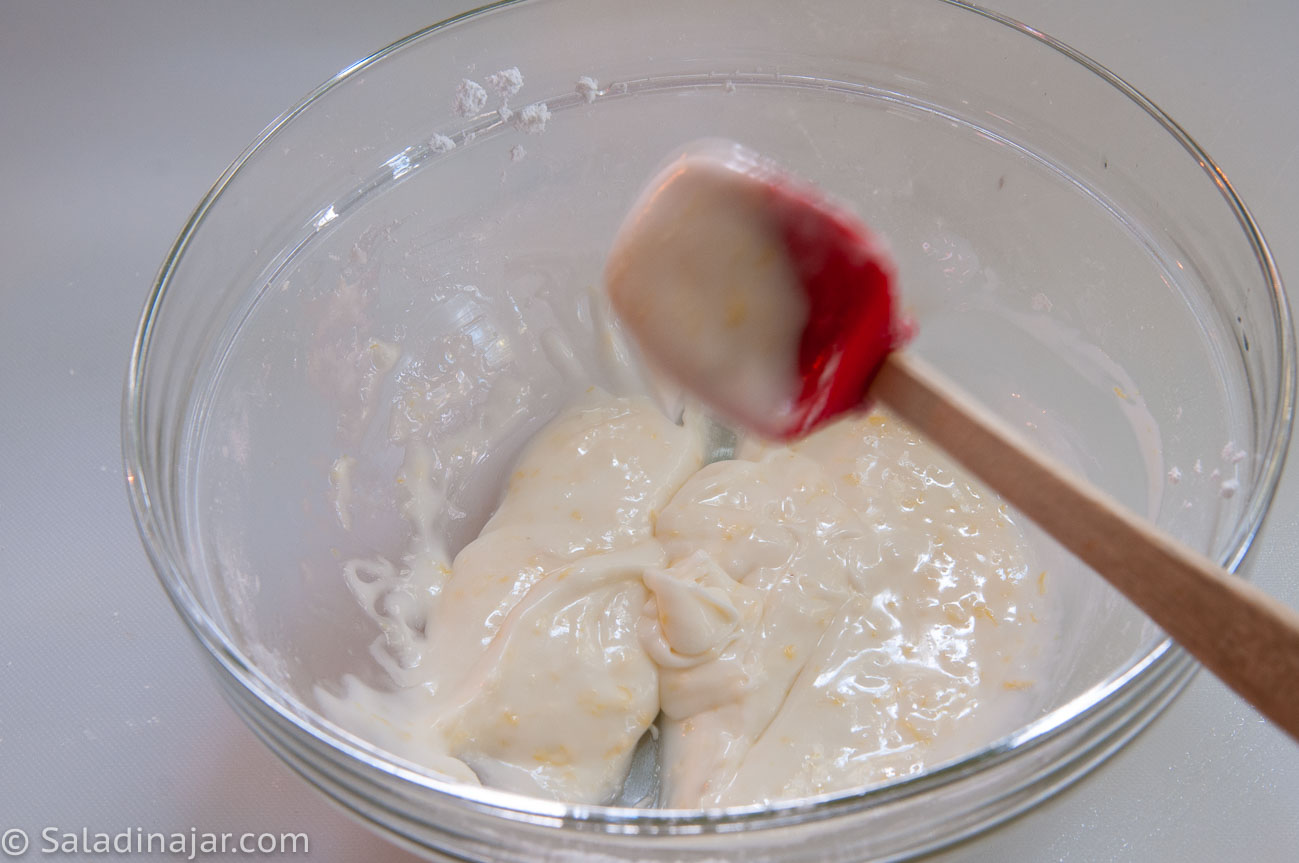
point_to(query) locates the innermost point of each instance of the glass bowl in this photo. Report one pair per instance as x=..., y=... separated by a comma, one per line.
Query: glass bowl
x=380, y=258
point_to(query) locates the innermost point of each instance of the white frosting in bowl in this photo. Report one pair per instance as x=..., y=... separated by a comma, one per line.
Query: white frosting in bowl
x=795, y=620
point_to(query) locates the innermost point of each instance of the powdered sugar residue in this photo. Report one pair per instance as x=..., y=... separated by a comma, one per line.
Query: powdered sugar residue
x=533, y=118
x=1232, y=455
x=506, y=83
x=588, y=88
x=470, y=98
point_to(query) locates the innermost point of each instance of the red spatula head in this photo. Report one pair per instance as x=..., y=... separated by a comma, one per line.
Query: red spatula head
x=754, y=291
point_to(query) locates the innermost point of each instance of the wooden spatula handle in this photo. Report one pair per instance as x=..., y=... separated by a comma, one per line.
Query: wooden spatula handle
x=1247, y=639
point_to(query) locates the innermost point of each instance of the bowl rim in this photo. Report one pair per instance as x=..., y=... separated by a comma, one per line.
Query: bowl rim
x=1163, y=654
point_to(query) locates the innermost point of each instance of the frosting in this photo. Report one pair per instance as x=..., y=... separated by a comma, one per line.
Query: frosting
x=796, y=620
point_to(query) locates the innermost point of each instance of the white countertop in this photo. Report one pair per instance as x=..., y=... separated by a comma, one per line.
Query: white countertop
x=116, y=119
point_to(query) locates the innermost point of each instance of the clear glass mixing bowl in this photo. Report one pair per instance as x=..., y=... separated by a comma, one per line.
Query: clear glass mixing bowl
x=1071, y=255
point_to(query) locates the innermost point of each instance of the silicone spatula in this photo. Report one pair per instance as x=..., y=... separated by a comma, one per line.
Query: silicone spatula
x=775, y=306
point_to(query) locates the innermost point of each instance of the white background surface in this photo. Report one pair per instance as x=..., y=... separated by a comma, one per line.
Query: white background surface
x=114, y=120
